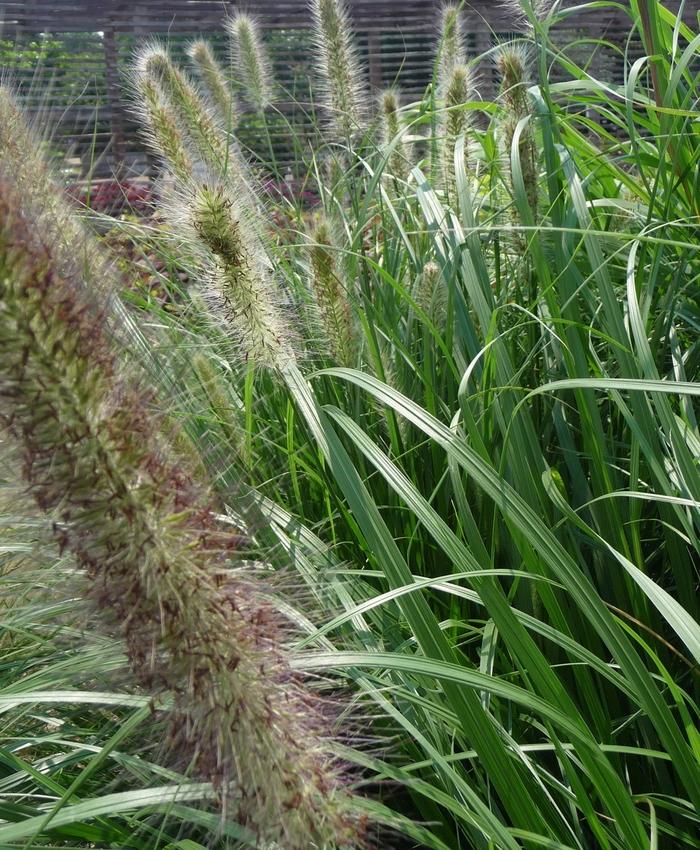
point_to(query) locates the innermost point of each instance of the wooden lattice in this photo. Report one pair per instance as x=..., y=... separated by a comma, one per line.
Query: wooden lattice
x=69, y=58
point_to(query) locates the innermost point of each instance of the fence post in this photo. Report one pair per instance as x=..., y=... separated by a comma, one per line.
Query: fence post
x=116, y=117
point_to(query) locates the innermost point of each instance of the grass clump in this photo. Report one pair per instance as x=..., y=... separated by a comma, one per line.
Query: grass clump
x=478, y=460
x=155, y=558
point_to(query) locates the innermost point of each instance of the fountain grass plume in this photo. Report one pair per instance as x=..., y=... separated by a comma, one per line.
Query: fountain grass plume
x=451, y=51
x=430, y=294
x=339, y=68
x=154, y=556
x=250, y=60
x=226, y=406
x=389, y=101
x=214, y=82
x=162, y=133
x=400, y=158
x=331, y=296
x=190, y=113
x=236, y=269
x=454, y=122
x=512, y=64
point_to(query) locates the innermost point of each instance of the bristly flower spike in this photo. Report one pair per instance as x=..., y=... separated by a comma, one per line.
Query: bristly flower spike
x=512, y=62
x=20, y=156
x=18, y=148
x=525, y=13
x=239, y=274
x=251, y=61
x=451, y=51
x=430, y=294
x=331, y=297
x=454, y=122
x=214, y=82
x=162, y=131
x=339, y=67
x=400, y=158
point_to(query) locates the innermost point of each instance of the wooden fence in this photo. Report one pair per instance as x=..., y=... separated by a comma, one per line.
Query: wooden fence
x=69, y=58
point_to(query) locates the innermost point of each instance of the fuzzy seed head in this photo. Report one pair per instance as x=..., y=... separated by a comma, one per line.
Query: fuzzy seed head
x=451, y=51
x=454, y=124
x=331, y=296
x=190, y=113
x=523, y=18
x=17, y=144
x=251, y=61
x=213, y=81
x=20, y=157
x=163, y=133
x=512, y=63
x=339, y=67
x=430, y=294
x=401, y=157
x=390, y=109
x=240, y=276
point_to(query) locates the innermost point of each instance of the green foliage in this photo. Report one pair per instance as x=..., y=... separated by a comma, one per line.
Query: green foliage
x=490, y=495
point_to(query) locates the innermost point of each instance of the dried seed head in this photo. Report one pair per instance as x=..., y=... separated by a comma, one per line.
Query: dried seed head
x=331, y=296
x=151, y=548
x=339, y=68
x=214, y=82
x=250, y=60
x=454, y=123
x=240, y=275
x=451, y=52
x=401, y=156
